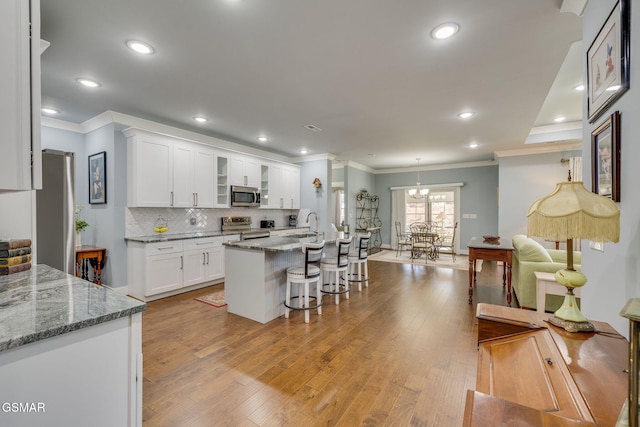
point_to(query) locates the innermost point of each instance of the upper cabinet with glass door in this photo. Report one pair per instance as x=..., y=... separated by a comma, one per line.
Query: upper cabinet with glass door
x=264, y=186
x=222, y=181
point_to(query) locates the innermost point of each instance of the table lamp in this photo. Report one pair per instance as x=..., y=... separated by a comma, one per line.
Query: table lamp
x=573, y=212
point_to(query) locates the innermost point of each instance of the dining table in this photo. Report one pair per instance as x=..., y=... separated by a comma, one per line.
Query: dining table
x=423, y=242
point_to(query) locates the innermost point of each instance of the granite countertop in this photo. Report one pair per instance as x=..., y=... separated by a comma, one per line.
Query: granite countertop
x=281, y=243
x=44, y=302
x=162, y=237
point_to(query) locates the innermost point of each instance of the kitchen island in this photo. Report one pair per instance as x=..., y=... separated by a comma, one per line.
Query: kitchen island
x=256, y=274
x=70, y=352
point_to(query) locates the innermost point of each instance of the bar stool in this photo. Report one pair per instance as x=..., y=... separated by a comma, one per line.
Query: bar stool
x=303, y=276
x=357, y=259
x=338, y=264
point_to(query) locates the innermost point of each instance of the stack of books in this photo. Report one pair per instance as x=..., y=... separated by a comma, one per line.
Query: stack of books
x=15, y=256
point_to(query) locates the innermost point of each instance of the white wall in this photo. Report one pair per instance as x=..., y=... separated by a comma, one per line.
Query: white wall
x=16, y=215
x=613, y=274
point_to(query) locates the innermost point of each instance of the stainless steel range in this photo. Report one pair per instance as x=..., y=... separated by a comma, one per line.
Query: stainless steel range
x=243, y=225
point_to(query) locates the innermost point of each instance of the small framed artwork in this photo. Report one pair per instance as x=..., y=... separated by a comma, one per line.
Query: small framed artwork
x=608, y=62
x=605, y=158
x=98, y=178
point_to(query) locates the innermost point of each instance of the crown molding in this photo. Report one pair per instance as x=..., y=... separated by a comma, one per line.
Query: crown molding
x=540, y=149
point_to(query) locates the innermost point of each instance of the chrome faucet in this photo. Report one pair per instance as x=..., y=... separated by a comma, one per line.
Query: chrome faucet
x=307, y=220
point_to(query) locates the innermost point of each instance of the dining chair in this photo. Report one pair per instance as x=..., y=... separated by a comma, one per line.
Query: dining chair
x=422, y=241
x=447, y=241
x=403, y=239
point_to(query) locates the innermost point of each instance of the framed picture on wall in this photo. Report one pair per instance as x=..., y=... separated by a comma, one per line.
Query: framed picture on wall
x=98, y=178
x=605, y=158
x=608, y=62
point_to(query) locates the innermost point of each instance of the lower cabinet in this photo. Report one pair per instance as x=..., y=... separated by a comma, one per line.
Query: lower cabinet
x=160, y=269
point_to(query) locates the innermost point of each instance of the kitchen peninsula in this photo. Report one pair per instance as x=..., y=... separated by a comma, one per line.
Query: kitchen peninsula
x=61, y=332
x=256, y=274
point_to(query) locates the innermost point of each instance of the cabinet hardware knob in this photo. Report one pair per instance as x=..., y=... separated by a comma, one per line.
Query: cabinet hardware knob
x=548, y=360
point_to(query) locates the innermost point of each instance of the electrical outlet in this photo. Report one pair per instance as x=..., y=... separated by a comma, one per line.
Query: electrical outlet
x=193, y=220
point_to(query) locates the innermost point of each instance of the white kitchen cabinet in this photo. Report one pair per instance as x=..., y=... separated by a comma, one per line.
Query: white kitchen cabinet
x=244, y=171
x=192, y=176
x=291, y=187
x=20, y=100
x=284, y=186
x=149, y=169
x=203, y=260
x=275, y=186
x=166, y=172
x=160, y=269
x=203, y=176
x=163, y=267
x=183, y=194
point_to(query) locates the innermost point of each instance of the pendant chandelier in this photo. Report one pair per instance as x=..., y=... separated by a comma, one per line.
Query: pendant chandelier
x=418, y=193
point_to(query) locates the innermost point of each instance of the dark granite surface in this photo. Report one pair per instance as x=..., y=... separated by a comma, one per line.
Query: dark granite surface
x=44, y=302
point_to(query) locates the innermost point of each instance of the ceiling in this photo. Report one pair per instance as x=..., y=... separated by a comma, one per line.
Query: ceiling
x=366, y=72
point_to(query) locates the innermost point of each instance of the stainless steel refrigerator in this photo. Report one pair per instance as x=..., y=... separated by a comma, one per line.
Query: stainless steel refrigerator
x=55, y=208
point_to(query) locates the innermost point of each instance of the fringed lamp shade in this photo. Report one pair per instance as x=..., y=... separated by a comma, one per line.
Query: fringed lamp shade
x=573, y=212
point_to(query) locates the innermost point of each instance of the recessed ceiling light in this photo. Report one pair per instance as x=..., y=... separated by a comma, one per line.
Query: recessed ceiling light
x=579, y=88
x=466, y=114
x=50, y=111
x=559, y=119
x=444, y=31
x=200, y=119
x=263, y=139
x=303, y=151
x=473, y=145
x=613, y=88
x=88, y=82
x=140, y=47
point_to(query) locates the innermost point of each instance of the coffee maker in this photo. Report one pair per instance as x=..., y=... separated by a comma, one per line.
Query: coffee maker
x=293, y=220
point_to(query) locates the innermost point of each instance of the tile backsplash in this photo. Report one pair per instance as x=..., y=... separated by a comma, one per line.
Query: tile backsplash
x=142, y=221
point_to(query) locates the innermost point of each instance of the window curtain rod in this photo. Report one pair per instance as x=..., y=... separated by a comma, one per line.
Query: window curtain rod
x=430, y=186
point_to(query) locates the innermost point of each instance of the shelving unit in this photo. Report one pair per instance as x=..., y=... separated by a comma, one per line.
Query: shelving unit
x=367, y=218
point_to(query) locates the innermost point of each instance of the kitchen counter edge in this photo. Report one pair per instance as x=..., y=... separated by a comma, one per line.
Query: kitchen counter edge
x=44, y=302
x=200, y=235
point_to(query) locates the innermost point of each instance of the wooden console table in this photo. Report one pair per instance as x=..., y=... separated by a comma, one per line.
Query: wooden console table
x=536, y=374
x=490, y=252
x=93, y=255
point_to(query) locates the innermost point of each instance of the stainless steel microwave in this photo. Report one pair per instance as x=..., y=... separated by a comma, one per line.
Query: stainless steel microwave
x=245, y=196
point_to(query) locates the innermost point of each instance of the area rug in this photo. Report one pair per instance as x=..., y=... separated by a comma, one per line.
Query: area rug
x=444, y=260
x=215, y=299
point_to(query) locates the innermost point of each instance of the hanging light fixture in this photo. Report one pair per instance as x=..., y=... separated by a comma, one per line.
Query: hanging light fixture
x=418, y=193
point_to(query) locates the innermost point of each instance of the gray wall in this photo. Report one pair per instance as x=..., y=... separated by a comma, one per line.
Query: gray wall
x=523, y=180
x=478, y=196
x=317, y=200
x=106, y=221
x=613, y=274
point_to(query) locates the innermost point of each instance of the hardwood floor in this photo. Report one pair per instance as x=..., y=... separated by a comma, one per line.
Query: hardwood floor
x=401, y=352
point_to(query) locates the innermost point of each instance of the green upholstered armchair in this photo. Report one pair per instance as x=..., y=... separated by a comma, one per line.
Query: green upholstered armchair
x=530, y=256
